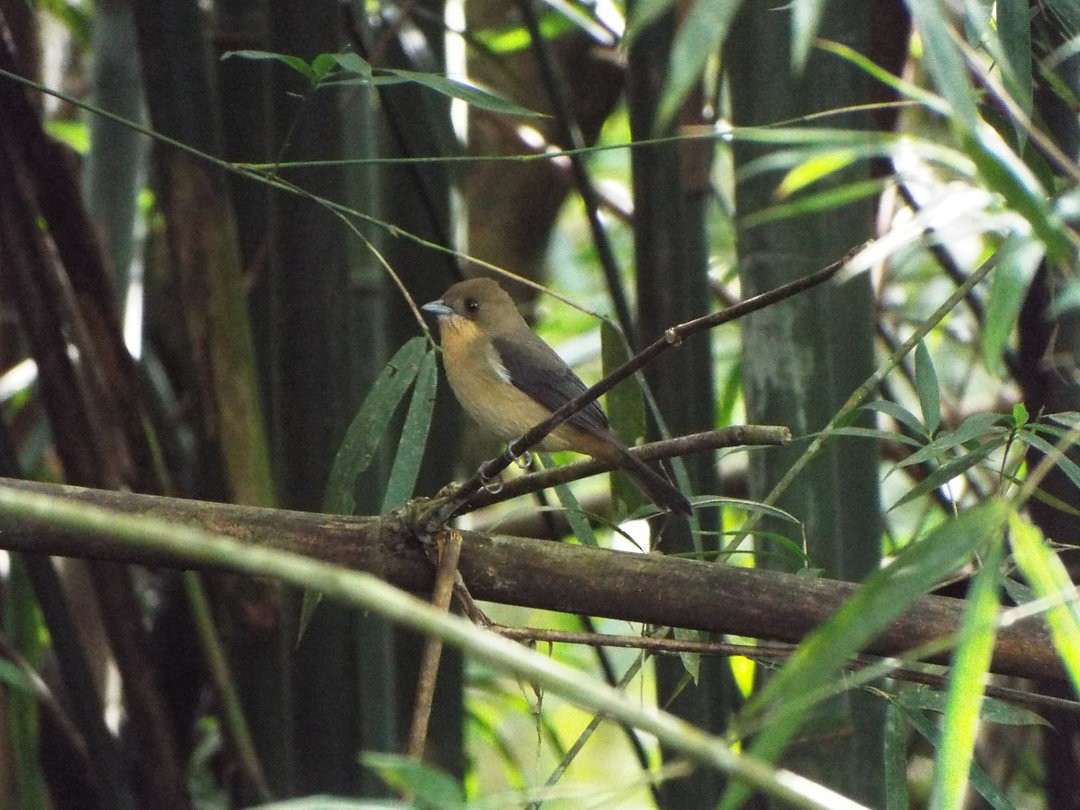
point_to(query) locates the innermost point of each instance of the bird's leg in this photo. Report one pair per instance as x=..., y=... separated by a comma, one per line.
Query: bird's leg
x=525, y=460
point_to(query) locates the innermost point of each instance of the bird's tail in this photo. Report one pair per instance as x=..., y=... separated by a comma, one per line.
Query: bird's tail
x=659, y=490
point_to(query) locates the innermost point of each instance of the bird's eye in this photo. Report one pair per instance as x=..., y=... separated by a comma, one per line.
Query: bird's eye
x=471, y=305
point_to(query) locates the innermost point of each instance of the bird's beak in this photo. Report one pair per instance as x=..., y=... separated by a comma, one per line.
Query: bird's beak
x=437, y=308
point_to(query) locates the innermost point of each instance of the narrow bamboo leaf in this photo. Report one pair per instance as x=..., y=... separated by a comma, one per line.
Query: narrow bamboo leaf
x=814, y=168
x=367, y=428
x=293, y=62
x=805, y=19
x=575, y=515
x=427, y=785
x=354, y=63
x=903, y=88
x=991, y=711
x=754, y=507
x=979, y=780
x=1020, y=257
x=926, y=384
x=702, y=31
x=1046, y=574
x=1068, y=14
x=883, y=596
x=896, y=788
x=947, y=472
x=625, y=409
x=1010, y=42
x=1005, y=172
x=644, y=13
x=414, y=434
x=943, y=61
x=470, y=94
x=897, y=412
x=815, y=203
x=1064, y=463
x=970, y=665
x=973, y=428
x=874, y=433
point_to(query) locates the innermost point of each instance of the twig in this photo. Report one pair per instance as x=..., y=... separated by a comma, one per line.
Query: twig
x=449, y=551
x=736, y=436
x=768, y=651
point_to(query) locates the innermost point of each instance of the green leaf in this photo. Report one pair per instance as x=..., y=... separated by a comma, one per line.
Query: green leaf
x=896, y=760
x=813, y=168
x=814, y=203
x=1049, y=579
x=625, y=407
x=943, y=61
x=926, y=384
x=1063, y=462
x=470, y=94
x=429, y=786
x=975, y=427
x=642, y=14
x=866, y=614
x=946, y=472
x=897, y=412
x=1020, y=416
x=979, y=780
x=700, y=34
x=293, y=62
x=414, y=434
x=366, y=431
x=970, y=665
x=353, y=63
x=991, y=711
x=575, y=515
x=805, y=20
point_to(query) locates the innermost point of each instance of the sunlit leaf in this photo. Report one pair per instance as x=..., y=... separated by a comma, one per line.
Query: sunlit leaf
x=805, y=19
x=874, y=606
x=1049, y=579
x=813, y=169
x=1019, y=258
x=979, y=780
x=970, y=664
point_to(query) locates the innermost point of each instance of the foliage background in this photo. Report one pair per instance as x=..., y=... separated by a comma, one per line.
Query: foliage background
x=257, y=247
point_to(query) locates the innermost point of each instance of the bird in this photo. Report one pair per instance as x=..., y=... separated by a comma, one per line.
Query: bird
x=508, y=380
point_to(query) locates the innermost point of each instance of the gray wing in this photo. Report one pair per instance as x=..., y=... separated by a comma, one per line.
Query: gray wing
x=543, y=375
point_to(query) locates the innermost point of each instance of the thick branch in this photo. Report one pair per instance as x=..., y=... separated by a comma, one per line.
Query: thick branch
x=635, y=587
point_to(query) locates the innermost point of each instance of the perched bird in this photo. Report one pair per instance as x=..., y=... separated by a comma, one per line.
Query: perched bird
x=508, y=379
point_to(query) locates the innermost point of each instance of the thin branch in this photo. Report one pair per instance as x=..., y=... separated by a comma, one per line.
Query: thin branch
x=736, y=436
